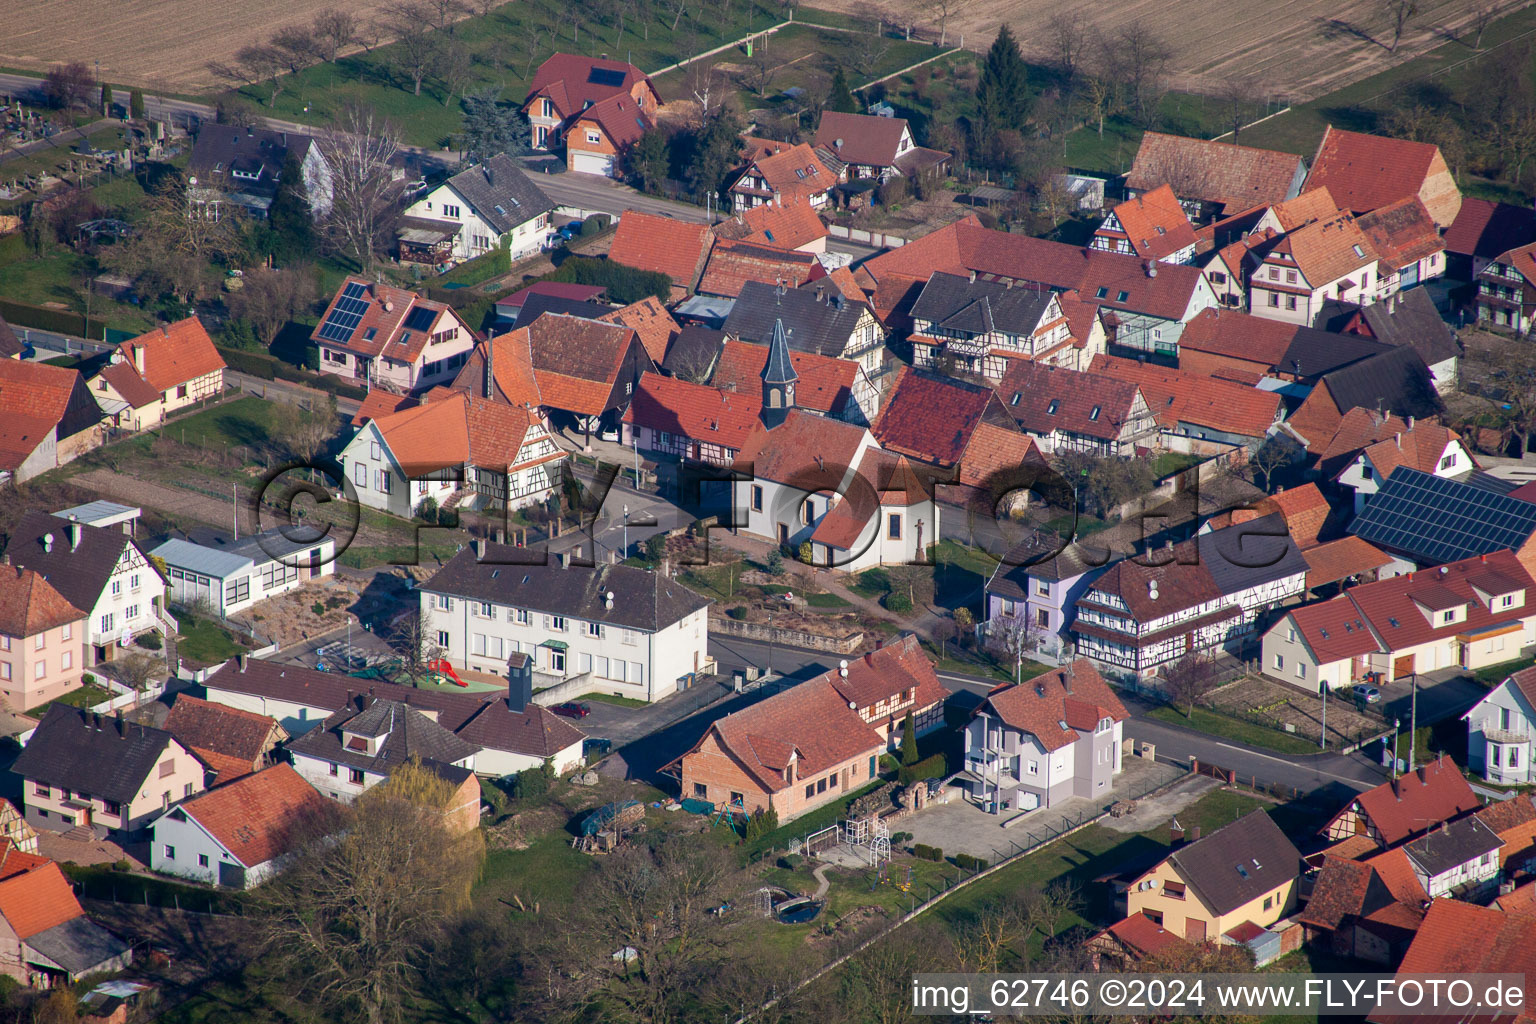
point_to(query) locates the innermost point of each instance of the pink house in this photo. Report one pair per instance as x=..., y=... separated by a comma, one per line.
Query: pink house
x=42, y=640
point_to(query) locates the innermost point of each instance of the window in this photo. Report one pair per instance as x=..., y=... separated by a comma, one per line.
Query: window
x=1448, y=461
x=444, y=603
x=117, y=587
x=5, y=670
x=1122, y=296
x=1290, y=277
x=381, y=481
x=5, y=643
x=1449, y=616
x=1279, y=661
x=700, y=790
x=1042, y=618
x=810, y=791
x=594, y=629
x=1274, y=299
x=373, y=450
x=202, y=860
x=167, y=767
x=165, y=800
x=187, y=791
x=1093, y=413
x=737, y=798
x=821, y=786
x=486, y=610
x=557, y=660
x=1173, y=890
x=41, y=790
x=1301, y=670
x=1217, y=277
x=450, y=210
x=442, y=638
x=1359, y=254
x=360, y=475
x=557, y=622
x=546, y=108
x=181, y=391
x=1290, y=302
x=1269, y=901
x=111, y=807
x=40, y=670
x=169, y=851
x=66, y=661
x=520, y=616
x=757, y=498
x=335, y=769
x=594, y=136
x=893, y=526
x=355, y=776
x=1042, y=588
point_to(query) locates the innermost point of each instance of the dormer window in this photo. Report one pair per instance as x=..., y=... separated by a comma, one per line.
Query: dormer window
x=1094, y=413
x=1050, y=410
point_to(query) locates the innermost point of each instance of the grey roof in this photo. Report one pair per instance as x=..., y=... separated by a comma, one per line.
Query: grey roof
x=694, y=348
x=1410, y=318
x=536, y=305
x=1238, y=862
x=1247, y=554
x=80, y=574
x=1438, y=520
x=406, y=733
x=1313, y=353
x=533, y=731
x=822, y=326
x=1451, y=845
x=642, y=600
x=779, y=369
x=711, y=308
x=93, y=511
x=980, y=307
x=501, y=193
x=222, y=149
x=1395, y=381
x=104, y=757
x=79, y=945
x=183, y=554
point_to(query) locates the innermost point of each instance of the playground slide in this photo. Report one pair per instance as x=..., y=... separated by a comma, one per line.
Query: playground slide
x=441, y=667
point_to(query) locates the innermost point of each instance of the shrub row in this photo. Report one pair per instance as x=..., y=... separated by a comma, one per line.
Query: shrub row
x=935, y=767
x=966, y=862
x=265, y=367
x=924, y=852
x=59, y=321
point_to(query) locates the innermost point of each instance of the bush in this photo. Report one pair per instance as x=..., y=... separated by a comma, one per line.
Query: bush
x=590, y=227
x=897, y=602
x=773, y=565
x=935, y=767
x=806, y=553
x=122, y=864
x=738, y=613
x=924, y=852
x=624, y=284
x=791, y=861
x=426, y=511
x=149, y=641
x=532, y=783
x=317, y=608
x=482, y=268
x=656, y=547
x=88, y=679
x=966, y=862
x=252, y=364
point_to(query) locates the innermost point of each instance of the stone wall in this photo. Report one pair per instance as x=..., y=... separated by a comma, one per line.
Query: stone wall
x=787, y=637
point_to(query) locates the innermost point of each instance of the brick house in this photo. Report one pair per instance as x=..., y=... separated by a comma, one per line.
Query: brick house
x=600, y=135
x=817, y=741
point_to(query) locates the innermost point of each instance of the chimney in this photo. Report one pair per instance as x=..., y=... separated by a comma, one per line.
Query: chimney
x=1175, y=833
x=1194, y=835
x=519, y=682
x=879, y=642
x=240, y=662
x=490, y=175
x=74, y=532
x=389, y=306
x=490, y=366
x=1399, y=438
x=973, y=277
x=1066, y=679
x=821, y=293
x=138, y=359
x=479, y=545
x=1151, y=268
x=1445, y=828
x=1422, y=777
x=1410, y=423
x=1397, y=789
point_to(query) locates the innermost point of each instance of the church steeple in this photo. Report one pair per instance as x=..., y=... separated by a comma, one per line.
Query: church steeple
x=779, y=379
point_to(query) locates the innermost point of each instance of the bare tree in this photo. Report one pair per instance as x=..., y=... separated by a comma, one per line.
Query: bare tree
x=1141, y=57
x=1012, y=637
x=358, y=148
x=303, y=435
x=1236, y=95
x=333, y=31
x=445, y=13
x=1401, y=12
x=1069, y=34
x=366, y=896
x=253, y=65
x=533, y=42
x=676, y=8
x=416, y=644
x=269, y=298
x=1189, y=679
x=760, y=69
x=137, y=671
x=417, y=47
x=1483, y=14
x=706, y=89
x=983, y=938
x=943, y=10
x=1103, y=99
x=68, y=85
x=1271, y=455
x=866, y=51
x=296, y=46
x=455, y=69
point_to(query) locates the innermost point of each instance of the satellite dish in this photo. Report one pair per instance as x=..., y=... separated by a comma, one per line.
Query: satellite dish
x=854, y=705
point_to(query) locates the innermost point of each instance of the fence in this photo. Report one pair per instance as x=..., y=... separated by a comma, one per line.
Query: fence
x=866, y=236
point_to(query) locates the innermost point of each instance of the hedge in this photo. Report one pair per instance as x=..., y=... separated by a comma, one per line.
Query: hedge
x=265, y=367
x=969, y=863
x=624, y=284
x=56, y=320
x=482, y=268
x=897, y=602
x=924, y=852
x=935, y=767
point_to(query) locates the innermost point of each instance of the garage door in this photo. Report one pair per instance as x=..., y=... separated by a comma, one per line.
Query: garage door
x=1402, y=666
x=592, y=163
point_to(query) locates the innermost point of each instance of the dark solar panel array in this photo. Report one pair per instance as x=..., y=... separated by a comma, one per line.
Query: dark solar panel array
x=420, y=319
x=1439, y=520
x=345, y=315
x=606, y=76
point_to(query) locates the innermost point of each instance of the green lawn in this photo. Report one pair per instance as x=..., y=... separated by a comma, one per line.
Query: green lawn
x=1493, y=675
x=503, y=48
x=206, y=642
x=608, y=698
x=1168, y=463
x=84, y=696
x=826, y=601
x=1249, y=733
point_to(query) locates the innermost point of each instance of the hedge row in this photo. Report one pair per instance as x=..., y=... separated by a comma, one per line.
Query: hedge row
x=935, y=767
x=623, y=284
x=59, y=321
x=968, y=863
x=924, y=852
x=265, y=367
x=482, y=268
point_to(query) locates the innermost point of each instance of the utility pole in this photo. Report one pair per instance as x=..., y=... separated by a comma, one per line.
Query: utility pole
x=626, y=531
x=1396, y=724
x=1323, y=740
x=1413, y=720
x=235, y=490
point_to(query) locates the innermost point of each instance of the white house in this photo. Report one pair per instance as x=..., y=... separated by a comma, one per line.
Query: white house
x=1467, y=614
x=635, y=633
x=236, y=835
x=99, y=570
x=380, y=335
x=1499, y=731
x=460, y=449
x=357, y=748
x=229, y=578
x=1460, y=856
x=492, y=205
x=1045, y=740
x=1427, y=447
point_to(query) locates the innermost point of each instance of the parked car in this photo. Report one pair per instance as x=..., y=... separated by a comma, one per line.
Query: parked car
x=569, y=231
x=571, y=709
x=1367, y=693
x=608, y=434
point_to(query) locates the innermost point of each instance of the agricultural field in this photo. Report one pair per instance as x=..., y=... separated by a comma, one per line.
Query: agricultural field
x=1297, y=51
x=159, y=44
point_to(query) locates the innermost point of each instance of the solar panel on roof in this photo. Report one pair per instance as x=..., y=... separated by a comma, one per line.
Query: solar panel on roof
x=1443, y=520
x=346, y=314
x=421, y=319
x=606, y=76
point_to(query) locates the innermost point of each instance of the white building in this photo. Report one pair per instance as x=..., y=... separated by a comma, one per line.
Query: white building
x=229, y=578
x=636, y=634
x=99, y=570
x=358, y=748
x=1427, y=447
x=236, y=835
x=457, y=450
x=1460, y=856
x=493, y=205
x=1499, y=731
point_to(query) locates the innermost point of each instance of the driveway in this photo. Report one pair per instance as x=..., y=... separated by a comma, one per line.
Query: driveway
x=625, y=725
x=1446, y=693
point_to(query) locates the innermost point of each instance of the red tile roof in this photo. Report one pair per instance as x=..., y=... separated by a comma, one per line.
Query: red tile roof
x=1403, y=232
x=1179, y=396
x=1144, y=937
x=825, y=384
x=994, y=451
x=1418, y=800
x=1334, y=630
x=621, y=119
x=577, y=362
x=1305, y=510
x=1327, y=250
x=931, y=417
x=808, y=451
x=381, y=331
x=254, y=817
x=861, y=138
x=1154, y=224
x=34, y=894
x=382, y=403
x=884, y=480
x=1057, y=706
x=1393, y=600
x=1366, y=172
x=1357, y=429
x=29, y=604
x=1341, y=891
x=454, y=428
x=567, y=78
x=1464, y=938
x=132, y=388
x=1340, y=559
x=1238, y=335
x=651, y=322
x=788, y=225
x=511, y=369
x=1485, y=228
x=794, y=172
x=204, y=726
x=1419, y=447
x=1219, y=172
x=35, y=391
x=174, y=354
x=733, y=264
x=676, y=248
x=699, y=412
x=1044, y=399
